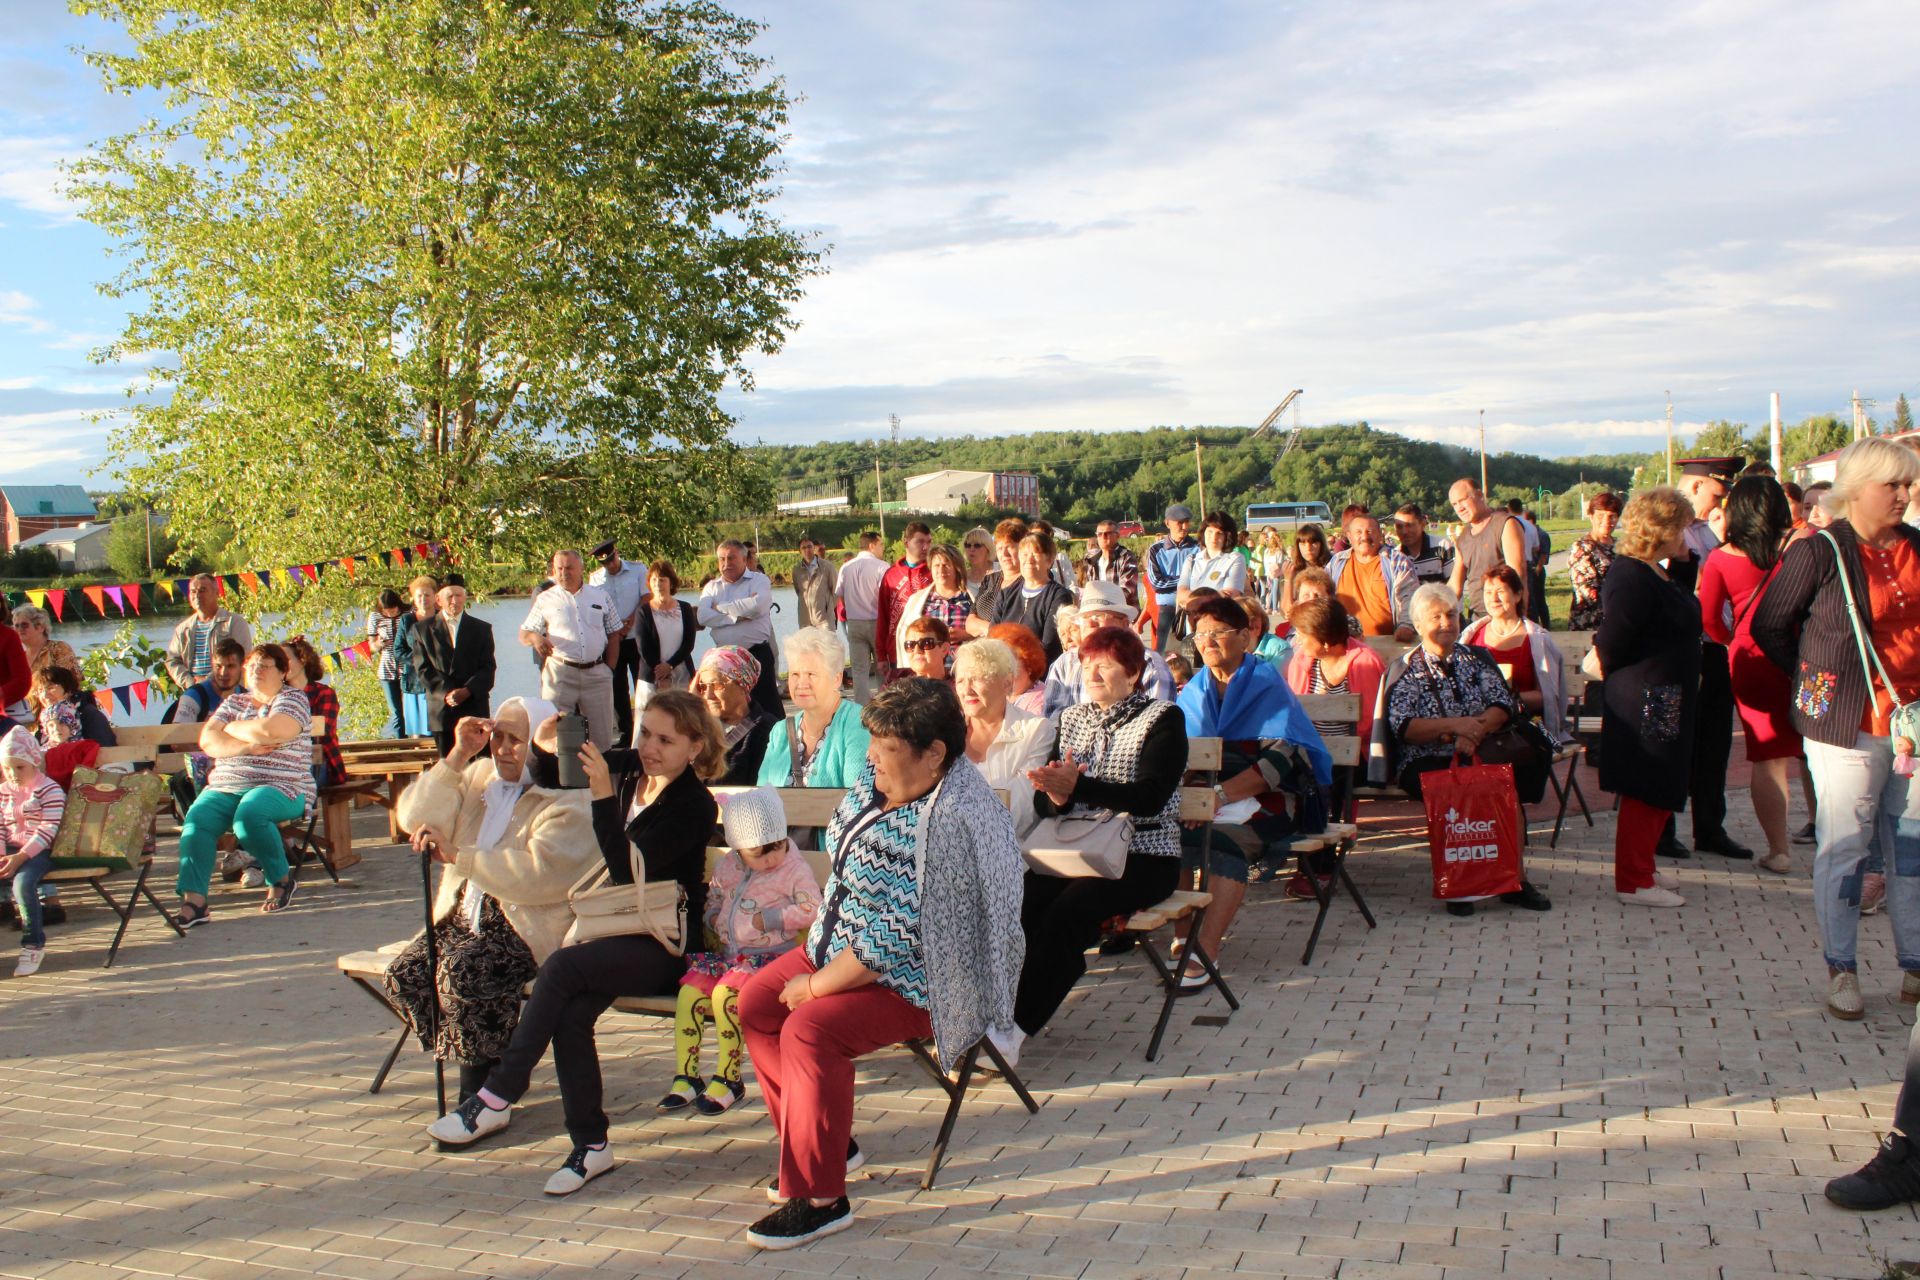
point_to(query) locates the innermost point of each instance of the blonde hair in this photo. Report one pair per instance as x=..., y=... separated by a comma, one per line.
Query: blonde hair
x=1870, y=461
x=1651, y=517
x=430, y=583
x=692, y=719
x=985, y=657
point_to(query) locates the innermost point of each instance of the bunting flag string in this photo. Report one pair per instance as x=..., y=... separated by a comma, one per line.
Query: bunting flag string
x=143, y=692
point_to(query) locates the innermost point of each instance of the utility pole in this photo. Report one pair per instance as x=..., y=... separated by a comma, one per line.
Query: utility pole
x=878, y=498
x=1773, y=434
x=149, y=523
x=1669, y=437
x=1200, y=477
x=1483, y=451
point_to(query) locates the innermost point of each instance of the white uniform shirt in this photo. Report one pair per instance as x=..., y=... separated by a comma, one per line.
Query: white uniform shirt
x=577, y=624
x=739, y=612
x=859, y=587
x=626, y=589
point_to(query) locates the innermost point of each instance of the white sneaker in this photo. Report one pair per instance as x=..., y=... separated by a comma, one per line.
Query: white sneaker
x=253, y=878
x=1843, y=997
x=29, y=962
x=1008, y=1042
x=1664, y=880
x=1652, y=896
x=469, y=1122
x=582, y=1167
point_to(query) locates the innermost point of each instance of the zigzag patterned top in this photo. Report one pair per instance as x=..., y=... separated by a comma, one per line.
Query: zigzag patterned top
x=872, y=898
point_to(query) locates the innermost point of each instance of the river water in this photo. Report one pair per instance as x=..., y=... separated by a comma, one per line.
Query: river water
x=517, y=675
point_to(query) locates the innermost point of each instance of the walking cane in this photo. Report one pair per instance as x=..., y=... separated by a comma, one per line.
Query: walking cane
x=433, y=978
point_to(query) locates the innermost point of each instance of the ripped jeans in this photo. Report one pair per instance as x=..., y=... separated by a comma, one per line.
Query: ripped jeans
x=1862, y=802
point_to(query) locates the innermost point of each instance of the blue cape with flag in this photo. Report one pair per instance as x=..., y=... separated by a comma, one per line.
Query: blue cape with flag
x=1258, y=705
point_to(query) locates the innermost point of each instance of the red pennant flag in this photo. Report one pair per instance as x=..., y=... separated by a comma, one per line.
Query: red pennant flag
x=140, y=688
x=119, y=597
x=365, y=650
x=105, y=699
x=132, y=590
x=423, y=550
x=312, y=571
x=250, y=579
x=98, y=596
x=57, y=598
x=120, y=692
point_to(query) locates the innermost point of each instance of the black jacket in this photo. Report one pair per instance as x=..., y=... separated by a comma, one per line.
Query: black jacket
x=650, y=639
x=1037, y=613
x=1649, y=643
x=442, y=666
x=1803, y=627
x=671, y=833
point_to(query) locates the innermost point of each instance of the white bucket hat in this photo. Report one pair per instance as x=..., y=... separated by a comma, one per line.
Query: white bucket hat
x=754, y=818
x=1099, y=596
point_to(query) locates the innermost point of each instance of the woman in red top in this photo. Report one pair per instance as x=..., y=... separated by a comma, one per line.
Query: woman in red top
x=1732, y=580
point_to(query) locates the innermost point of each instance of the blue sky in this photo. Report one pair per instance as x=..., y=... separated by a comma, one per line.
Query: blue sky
x=1086, y=216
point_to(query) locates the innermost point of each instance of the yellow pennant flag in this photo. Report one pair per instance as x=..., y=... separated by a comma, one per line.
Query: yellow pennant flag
x=39, y=599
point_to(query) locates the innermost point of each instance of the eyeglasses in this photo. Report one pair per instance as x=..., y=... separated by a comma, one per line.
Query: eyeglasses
x=976, y=546
x=1214, y=635
x=924, y=645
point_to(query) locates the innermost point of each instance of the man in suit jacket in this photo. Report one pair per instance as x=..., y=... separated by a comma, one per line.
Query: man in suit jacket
x=453, y=656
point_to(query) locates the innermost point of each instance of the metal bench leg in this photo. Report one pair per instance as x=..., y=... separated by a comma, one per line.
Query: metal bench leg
x=393, y=1056
x=956, y=1094
x=1011, y=1076
x=1170, y=979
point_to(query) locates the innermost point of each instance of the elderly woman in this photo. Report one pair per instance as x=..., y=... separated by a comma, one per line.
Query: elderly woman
x=1649, y=648
x=725, y=682
x=680, y=751
x=1034, y=600
x=1851, y=661
x=945, y=598
x=1589, y=560
x=1002, y=740
x=927, y=647
x=1522, y=649
x=667, y=626
x=262, y=776
x=425, y=591
x=825, y=745
x=919, y=938
x=1030, y=666
x=1121, y=750
x=513, y=845
x=1102, y=604
x=1443, y=699
x=35, y=630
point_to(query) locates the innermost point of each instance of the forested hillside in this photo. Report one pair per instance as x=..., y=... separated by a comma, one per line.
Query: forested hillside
x=1140, y=473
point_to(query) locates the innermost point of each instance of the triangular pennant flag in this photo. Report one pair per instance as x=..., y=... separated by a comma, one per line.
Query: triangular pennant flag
x=140, y=688
x=126, y=702
x=132, y=590
x=331, y=661
x=164, y=586
x=98, y=595
x=250, y=579
x=58, y=599
x=231, y=582
x=119, y=597
x=39, y=598
x=399, y=558
x=423, y=550
x=346, y=562
x=295, y=575
x=365, y=650
x=105, y=699
x=180, y=586
x=352, y=656
x=312, y=571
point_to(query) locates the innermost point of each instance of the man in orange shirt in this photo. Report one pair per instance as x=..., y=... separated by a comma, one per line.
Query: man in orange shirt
x=1372, y=580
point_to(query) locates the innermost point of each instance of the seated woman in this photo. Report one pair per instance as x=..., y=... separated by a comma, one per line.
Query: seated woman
x=825, y=745
x=1029, y=666
x=680, y=750
x=1522, y=650
x=725, y=682
x=1122, y=750
x=262, y=776
x=927, y=647
x=1328, y=659
x=1443, y=699
x=513, y=844
x=919, y=936
x=1003, y=741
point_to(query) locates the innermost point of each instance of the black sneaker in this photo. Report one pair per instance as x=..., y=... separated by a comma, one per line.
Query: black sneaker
x=854, y=1160
x=799, y=1222
x=1892, y=1177
x=1804, y=835
x=1527, y=897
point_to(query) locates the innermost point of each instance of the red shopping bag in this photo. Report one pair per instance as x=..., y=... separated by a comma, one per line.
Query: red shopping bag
x=1473, y=829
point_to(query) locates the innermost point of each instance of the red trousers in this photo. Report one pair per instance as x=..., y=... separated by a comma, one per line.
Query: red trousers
x=1635, y=838
x=803, y=1059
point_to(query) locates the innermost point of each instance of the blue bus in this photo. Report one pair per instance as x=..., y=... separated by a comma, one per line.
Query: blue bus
x=1286, y=516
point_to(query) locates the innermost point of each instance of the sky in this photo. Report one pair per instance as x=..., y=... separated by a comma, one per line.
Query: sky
x=1080, y=216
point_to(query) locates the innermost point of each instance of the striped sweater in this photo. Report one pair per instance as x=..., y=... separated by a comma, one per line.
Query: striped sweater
x=30, y=814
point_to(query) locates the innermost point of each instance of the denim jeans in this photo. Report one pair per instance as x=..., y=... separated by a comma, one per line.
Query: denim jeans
x=26, y=892
x=396, y=709
x=1860, y=802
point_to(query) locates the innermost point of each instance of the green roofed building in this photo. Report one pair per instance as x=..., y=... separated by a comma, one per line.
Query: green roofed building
x=29, y=509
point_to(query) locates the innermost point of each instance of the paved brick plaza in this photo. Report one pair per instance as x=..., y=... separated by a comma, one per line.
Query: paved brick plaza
x=1588, y=1093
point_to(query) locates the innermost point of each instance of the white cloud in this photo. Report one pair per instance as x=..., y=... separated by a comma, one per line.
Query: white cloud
x=18, y=309
x=30, y=174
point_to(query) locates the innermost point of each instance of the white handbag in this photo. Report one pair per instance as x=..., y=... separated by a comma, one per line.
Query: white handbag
x=603, y=909
x=1092, y=843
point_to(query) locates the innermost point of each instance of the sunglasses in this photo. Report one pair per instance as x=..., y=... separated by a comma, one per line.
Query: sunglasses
x=924, y=645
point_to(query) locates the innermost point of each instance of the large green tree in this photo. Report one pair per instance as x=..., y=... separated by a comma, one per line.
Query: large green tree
x=465, y=270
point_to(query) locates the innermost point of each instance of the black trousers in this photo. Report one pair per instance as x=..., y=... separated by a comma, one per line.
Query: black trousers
x=450, y=718
x=1712, y=743
x=626, y=669
x=766, y=694
x=1062, y=917
x=575, y=986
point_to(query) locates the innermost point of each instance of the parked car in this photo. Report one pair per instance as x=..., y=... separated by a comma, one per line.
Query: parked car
x=1129, y=528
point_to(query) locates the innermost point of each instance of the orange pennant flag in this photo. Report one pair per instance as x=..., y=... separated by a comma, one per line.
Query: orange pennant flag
x=346, y=562
x=105, y=698
x=98, y=595
x=399, y=558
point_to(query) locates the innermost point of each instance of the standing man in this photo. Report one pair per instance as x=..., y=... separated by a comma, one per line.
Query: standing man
x=1706, y=483
x=1108, y=561
x=190, y=651
x=625, y=582
x=1431, y=557
x=573, y=629
x=858, y=588
x=908, y=574
x=1488, y=536
x=737, y=607
x=1372, y=581
x=814, y=580
x=453, y=656
x=1166, y=558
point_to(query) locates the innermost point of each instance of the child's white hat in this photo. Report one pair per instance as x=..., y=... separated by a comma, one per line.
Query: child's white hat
x=754, y=818
x=18, y=744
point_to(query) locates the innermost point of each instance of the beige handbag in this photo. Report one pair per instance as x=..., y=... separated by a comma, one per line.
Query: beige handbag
x=1089, y=844
x=603, y=909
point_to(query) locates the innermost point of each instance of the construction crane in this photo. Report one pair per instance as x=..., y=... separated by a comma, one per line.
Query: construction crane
x=1266, y=425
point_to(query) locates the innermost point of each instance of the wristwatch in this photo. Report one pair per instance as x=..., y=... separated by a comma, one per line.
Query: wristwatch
x=1219, y=794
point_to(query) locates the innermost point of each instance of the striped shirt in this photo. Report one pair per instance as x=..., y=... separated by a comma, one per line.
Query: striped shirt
x=288, y=769
x=199, y=661
x=30, y=815
x=1317, y=683
x=871, y=903
x=381, y=627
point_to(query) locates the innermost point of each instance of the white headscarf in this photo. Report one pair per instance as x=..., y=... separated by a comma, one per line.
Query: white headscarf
x=498, y=799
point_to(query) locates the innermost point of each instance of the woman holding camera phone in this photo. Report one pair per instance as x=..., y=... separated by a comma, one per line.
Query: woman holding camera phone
x=681, y=749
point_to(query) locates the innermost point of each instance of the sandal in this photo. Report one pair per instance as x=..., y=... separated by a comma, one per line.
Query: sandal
x=279, y=895
x=685, y=1089
x=190, y=915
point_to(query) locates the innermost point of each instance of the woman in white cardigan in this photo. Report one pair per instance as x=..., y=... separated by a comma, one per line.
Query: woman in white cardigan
x=1002, y=740
x=512, y=844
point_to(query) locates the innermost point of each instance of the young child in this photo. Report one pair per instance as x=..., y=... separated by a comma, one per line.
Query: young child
x=31, y=806
x=760, y=901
